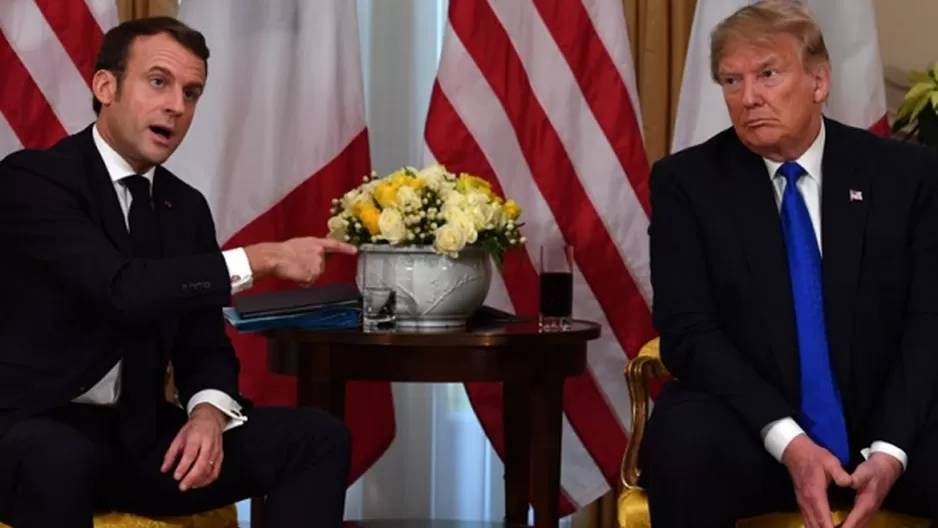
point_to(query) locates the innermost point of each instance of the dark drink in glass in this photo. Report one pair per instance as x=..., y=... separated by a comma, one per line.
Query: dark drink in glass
x=556, y=294
x=556, y=286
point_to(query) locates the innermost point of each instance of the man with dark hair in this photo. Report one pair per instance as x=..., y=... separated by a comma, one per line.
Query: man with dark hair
x=112, y=271
x=115, y=47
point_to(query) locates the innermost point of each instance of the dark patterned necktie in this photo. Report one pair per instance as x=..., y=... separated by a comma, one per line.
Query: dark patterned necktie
x=139, y=379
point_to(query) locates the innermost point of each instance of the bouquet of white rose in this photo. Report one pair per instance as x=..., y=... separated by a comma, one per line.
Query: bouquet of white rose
x=432, y=207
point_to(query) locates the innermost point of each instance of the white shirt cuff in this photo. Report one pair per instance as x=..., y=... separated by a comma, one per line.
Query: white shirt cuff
x=221, y=401
x=239, y=269
x=778, y=434
x=889, y=449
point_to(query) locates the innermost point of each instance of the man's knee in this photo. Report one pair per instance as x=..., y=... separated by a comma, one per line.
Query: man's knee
x=679, y=447
x=53, y=463
x=692, y=437
x=326, y=433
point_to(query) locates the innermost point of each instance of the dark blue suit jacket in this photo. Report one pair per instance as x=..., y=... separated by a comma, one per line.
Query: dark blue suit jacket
x=72, y=299
x=723, y=302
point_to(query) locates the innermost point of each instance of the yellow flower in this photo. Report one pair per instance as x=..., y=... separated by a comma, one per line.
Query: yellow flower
x=397, y=209
x=398, y=178
x=360, y=205
x=468, y=182
x=512, y=210
x=369, y=218
x=386, y=194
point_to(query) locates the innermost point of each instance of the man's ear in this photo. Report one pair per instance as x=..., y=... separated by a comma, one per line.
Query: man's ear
x=822, y=82
x=104, y=86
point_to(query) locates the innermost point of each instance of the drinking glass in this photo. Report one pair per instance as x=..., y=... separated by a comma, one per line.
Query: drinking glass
x=379, y=299
x=556, y=286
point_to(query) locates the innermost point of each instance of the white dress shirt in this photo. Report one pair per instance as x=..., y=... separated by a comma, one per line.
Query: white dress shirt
x=779, y=433
x=107, y=390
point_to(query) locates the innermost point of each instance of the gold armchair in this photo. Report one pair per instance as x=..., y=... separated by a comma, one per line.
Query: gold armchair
x=647, y=368
x=225, y=517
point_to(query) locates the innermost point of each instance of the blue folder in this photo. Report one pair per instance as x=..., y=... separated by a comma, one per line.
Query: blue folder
x=325, y=318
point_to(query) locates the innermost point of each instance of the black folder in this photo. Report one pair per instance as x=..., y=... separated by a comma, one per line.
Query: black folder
x=295, y=301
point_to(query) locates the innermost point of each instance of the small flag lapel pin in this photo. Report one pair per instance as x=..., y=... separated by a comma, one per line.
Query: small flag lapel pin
x=856, y=196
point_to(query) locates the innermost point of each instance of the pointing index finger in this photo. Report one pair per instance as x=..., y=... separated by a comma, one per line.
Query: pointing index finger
x=332, y=245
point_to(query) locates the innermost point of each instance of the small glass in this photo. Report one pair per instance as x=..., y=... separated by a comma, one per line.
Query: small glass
x=379, y=298
x=556, y=286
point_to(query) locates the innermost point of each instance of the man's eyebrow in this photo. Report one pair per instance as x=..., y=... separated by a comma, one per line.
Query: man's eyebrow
x=162, y=70
x=771, y=61
x=197, y=85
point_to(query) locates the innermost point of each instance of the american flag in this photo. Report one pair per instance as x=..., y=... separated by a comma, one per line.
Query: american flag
x=47, y=52
x=539, y=97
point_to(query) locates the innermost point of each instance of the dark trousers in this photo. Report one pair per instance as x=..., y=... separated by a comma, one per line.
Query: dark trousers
x=56, y=470
x=702, y=468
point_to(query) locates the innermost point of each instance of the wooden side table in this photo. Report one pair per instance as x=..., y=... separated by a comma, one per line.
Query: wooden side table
x=531, y=364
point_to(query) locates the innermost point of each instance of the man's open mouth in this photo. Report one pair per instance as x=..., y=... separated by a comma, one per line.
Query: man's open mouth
x=161, y=131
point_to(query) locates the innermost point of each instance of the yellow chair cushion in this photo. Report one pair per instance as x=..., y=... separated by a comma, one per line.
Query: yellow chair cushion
x=226, y=517
x=633, y=513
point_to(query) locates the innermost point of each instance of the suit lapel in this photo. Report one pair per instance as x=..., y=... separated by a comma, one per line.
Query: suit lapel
x=103, y=193
x=845, y=196
x=751, y=201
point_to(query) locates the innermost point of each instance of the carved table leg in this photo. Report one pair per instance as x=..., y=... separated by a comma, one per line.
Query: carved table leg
x=546, y=408
x=317, y=389
x=516, y=420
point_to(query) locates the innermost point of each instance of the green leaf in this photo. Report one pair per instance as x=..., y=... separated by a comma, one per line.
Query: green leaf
x=915, y=100
x=494, y=247
x=919, y=90
x=916, y=77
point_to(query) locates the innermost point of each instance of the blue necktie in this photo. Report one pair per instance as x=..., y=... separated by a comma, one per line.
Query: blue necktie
x=821, y=413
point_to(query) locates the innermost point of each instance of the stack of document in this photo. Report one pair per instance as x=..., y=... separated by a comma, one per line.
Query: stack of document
x=334, y=306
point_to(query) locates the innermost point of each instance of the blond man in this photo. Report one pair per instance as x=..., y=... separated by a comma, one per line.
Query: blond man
x=795, y=268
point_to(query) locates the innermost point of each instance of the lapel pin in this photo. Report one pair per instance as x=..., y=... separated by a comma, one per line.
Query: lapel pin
x=856, y=196
x=168, y=204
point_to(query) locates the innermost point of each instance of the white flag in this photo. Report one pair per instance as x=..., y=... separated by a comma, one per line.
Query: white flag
x=279, y=132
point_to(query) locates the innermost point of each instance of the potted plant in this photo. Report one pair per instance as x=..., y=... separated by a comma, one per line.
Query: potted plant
x=429, y=235
x=919, y=109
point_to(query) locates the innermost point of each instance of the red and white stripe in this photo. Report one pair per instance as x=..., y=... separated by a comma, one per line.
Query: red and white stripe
x=47, y=53
x=538, y=97
x=279, y=133
x=858, y=93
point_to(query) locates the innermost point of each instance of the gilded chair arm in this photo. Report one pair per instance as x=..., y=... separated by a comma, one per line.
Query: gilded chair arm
x=640, y=371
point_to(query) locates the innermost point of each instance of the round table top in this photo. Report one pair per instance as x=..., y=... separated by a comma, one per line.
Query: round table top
x=522, y=331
